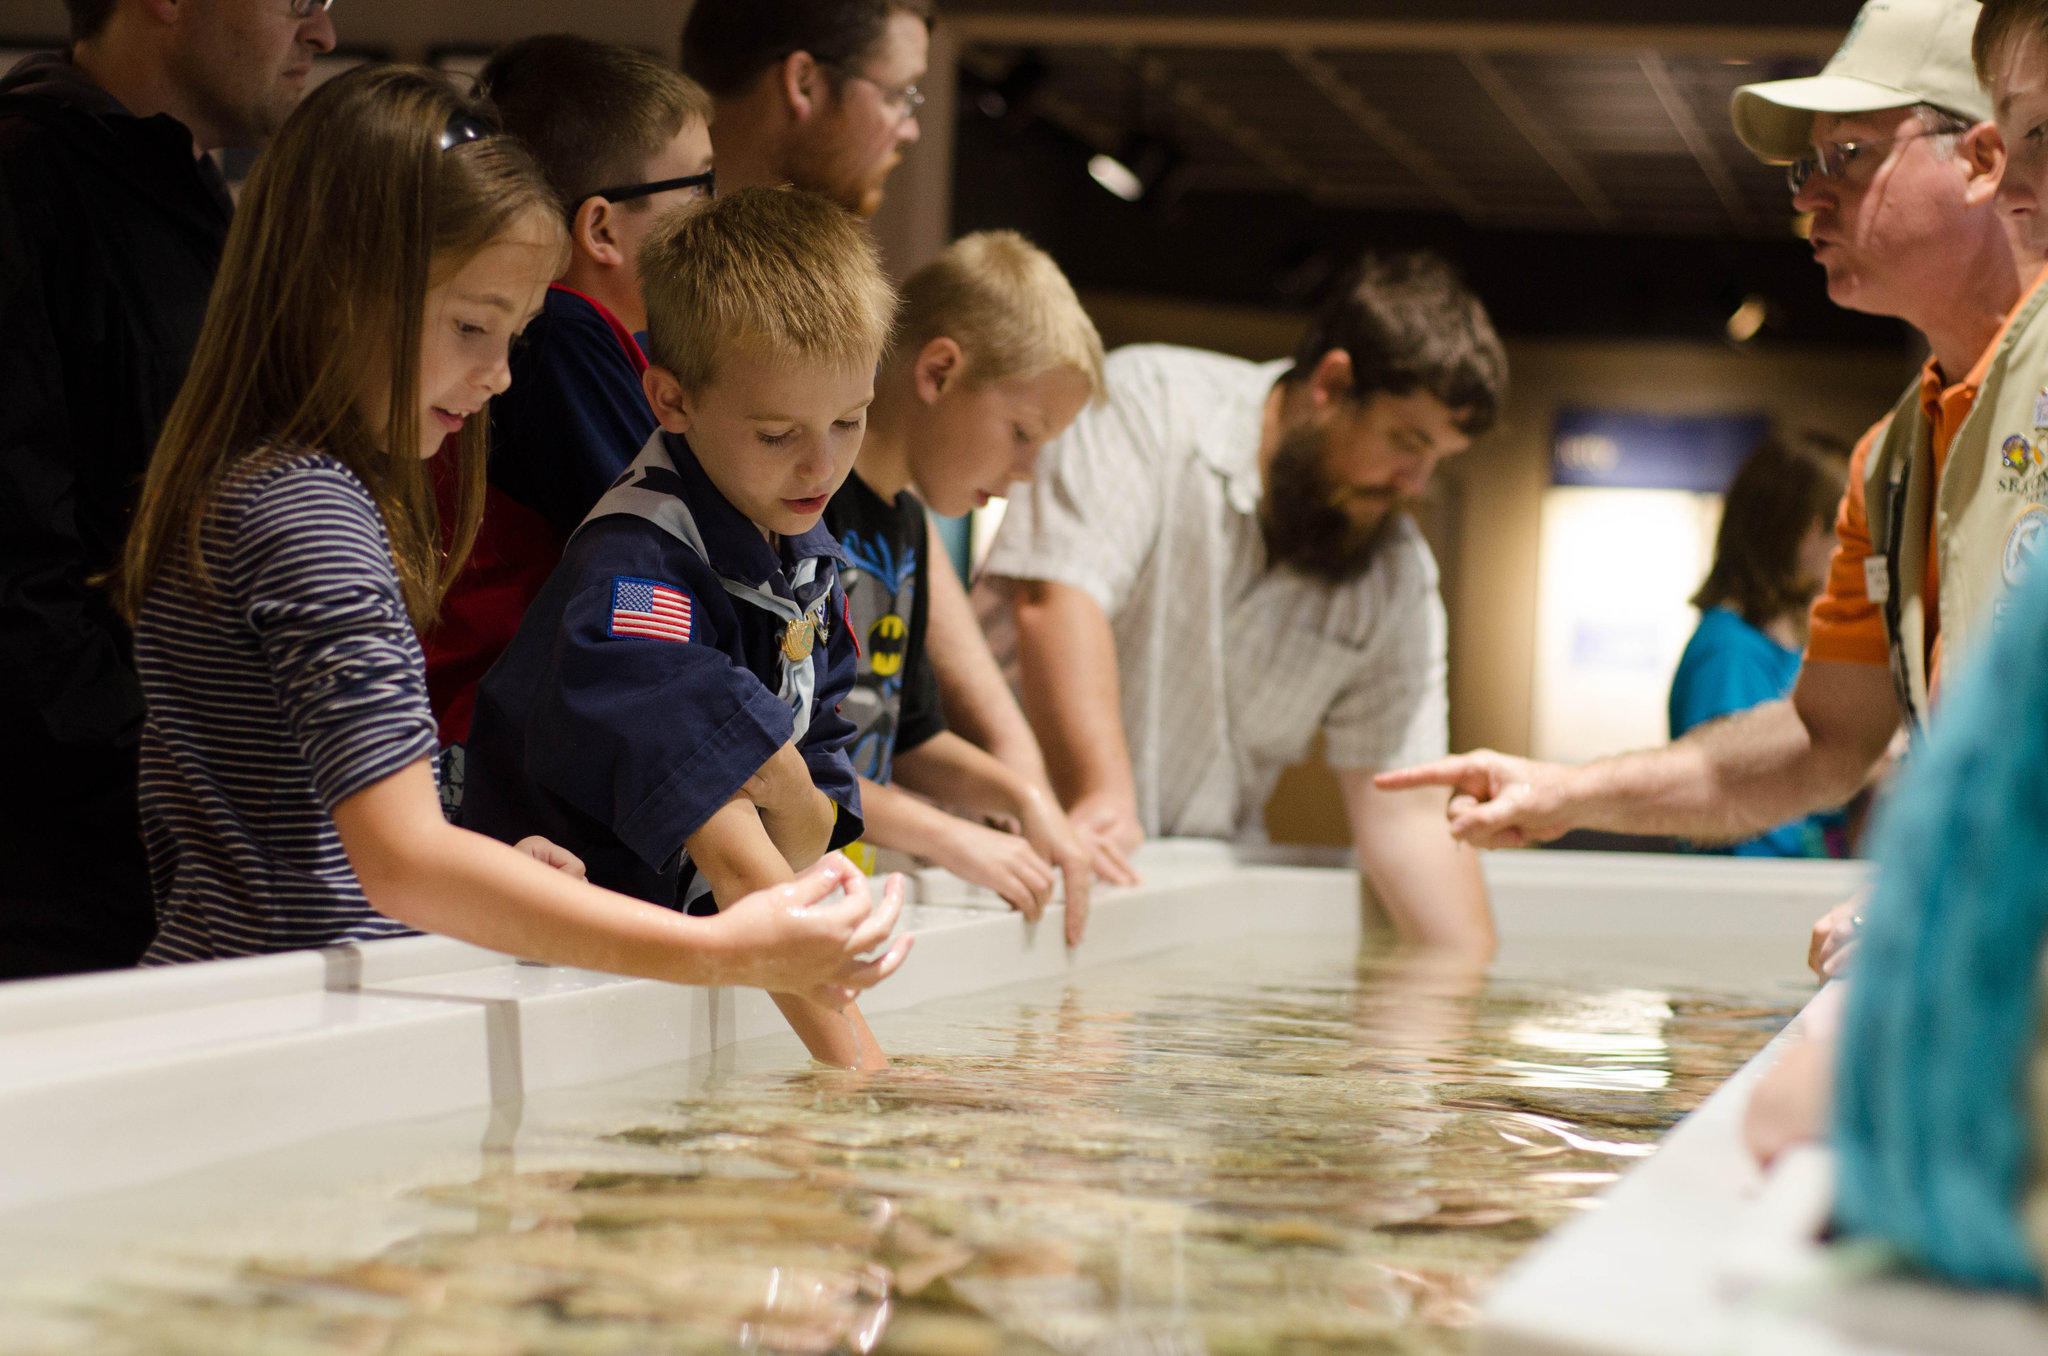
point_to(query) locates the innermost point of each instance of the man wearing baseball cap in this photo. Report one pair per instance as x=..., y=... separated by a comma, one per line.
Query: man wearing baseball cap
x=1892, y=157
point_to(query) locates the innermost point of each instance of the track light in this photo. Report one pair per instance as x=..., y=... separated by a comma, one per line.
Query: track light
x=1136, y=172
x=1748, y=319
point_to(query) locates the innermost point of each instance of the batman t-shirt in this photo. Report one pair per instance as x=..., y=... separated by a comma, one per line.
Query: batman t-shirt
x=894, y=704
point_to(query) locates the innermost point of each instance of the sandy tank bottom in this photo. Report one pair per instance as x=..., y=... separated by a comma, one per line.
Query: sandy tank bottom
x=1280, y=1145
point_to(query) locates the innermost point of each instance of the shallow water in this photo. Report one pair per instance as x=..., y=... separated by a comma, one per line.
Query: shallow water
x=1263, y=1147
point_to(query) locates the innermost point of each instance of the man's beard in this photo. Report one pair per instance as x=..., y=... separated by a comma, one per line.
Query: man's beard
x=822, y=170
x=1304, y=526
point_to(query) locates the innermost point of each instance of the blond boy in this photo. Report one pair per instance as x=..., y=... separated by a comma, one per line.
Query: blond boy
x=992, y=356
x=669, y=707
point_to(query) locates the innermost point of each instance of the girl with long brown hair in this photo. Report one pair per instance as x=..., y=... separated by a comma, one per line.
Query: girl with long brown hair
x=388, y=248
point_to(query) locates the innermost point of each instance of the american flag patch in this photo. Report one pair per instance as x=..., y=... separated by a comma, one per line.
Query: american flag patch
x=641, y=607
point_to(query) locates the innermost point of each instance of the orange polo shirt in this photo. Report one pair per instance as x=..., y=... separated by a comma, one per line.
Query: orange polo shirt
x=1846, y=626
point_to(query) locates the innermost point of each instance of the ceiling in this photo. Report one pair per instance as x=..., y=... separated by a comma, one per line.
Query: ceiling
x=1553, y=126
x=1574, y=157
x=1564, y=115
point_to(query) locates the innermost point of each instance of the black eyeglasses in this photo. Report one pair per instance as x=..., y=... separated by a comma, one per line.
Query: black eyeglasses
x=464, y=127
x=1833, y=160
x=706, y=185
x=306, y=9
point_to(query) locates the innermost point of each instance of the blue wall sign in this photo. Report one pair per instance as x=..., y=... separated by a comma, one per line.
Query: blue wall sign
x=1623, y=450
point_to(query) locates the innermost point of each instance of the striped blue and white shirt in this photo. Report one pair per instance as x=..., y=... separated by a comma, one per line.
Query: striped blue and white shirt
x=294, y=682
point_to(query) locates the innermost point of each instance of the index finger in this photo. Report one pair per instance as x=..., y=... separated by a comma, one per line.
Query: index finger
x=1463, y=773
x=1079, y=880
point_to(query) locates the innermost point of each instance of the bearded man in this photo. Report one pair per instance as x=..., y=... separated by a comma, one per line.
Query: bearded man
x=1213, y=566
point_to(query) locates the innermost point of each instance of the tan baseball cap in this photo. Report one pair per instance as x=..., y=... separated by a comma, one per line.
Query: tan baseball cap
x=1898, y=52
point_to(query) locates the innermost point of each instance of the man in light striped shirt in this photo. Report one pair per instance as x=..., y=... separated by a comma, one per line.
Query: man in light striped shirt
x=1212, y=567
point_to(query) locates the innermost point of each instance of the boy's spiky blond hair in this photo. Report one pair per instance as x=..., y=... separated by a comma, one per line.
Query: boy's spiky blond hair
x=1007, y=305
x=777, y=272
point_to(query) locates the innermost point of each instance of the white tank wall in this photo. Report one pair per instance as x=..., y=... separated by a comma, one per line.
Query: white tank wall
x=111, y=1081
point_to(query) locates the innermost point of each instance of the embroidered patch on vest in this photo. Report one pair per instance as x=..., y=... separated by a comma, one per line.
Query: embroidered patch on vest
x=2041, y=412
x=2023, y=543
x=2018, y=455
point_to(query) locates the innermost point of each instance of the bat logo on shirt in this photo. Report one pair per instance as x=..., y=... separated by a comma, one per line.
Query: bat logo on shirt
x=888, y=640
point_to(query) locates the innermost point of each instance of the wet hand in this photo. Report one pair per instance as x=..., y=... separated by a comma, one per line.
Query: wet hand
x=1496, y=801
x=548, y=854
x=795, y=938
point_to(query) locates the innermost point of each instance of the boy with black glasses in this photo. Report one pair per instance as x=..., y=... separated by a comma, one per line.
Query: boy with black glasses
x=622, y=139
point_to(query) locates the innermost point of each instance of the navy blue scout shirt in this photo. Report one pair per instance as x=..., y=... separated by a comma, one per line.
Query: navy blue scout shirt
x=574, y=415
x=642, y=691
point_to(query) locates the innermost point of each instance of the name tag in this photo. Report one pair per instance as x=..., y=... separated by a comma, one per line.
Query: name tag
x=1877, y=581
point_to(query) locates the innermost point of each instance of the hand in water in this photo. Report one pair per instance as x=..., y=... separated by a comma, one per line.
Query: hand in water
x=1496, y=801
x=548, y=854
x=792, y=938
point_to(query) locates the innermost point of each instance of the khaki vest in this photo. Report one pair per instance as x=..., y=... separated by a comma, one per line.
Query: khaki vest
x=1989, y=510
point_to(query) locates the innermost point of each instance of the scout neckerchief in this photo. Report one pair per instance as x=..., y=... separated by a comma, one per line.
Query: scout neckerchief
x=803, y=620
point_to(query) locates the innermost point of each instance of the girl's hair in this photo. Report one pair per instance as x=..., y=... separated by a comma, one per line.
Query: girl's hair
x=1791, y=484
x=353, y=212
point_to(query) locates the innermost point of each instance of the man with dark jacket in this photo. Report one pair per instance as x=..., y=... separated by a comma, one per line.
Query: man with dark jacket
x=112, y=221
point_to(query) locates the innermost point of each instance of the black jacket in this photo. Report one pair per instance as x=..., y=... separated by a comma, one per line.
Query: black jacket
x=110, y=235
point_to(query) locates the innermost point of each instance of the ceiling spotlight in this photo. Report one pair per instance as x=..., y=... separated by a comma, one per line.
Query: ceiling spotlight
x=1748, y=319
x=1114, y=175
x=1136, y=172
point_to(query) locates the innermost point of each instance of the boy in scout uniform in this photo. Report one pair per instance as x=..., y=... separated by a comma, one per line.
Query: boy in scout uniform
x=669, y=706
x=1892, y=152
